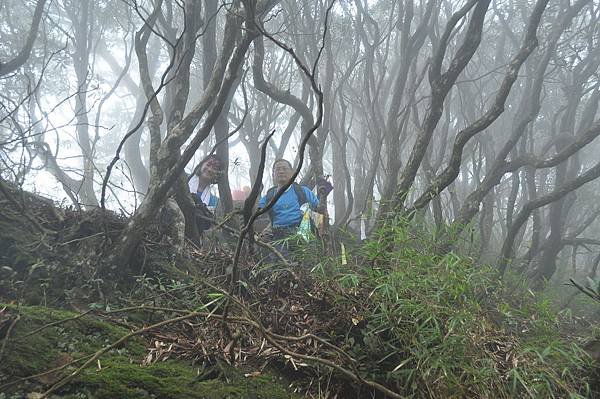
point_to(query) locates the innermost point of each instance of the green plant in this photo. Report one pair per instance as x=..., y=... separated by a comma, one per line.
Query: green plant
x=592, y=289
x=441, y=326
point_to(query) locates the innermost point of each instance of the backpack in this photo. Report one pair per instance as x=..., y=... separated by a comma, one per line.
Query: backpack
x=300, y=195
x=204, y=217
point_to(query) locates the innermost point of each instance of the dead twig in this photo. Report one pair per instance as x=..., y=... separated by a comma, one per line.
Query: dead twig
x=7, y=336
x=102, y=351
x=8, y=195
x=263, y=244
x=54, y=323
x=272, y=339
x=54, y=370
x=247, y=319
x=118, y=342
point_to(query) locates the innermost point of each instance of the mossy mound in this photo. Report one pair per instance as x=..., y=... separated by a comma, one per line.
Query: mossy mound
x=422, y=324
x=171, y=379
x=118, y=374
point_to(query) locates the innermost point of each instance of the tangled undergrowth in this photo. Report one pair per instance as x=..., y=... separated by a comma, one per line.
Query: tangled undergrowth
x=389, y=317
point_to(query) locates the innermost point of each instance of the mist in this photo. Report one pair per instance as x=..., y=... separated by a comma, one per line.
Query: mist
x=473, y=123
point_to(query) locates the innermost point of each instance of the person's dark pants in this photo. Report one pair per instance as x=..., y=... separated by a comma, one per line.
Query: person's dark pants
x=281, y=242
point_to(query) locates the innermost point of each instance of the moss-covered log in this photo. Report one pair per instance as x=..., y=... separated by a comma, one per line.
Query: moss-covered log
x=119, y=374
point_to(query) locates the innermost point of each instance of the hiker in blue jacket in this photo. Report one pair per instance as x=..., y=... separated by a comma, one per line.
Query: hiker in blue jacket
x=286, y=214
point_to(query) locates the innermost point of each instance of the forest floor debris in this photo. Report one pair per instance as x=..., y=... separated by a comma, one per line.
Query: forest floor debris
x=413, y=323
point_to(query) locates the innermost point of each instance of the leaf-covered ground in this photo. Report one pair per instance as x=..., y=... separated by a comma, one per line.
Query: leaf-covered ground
x=390, y=318
x=67, y=340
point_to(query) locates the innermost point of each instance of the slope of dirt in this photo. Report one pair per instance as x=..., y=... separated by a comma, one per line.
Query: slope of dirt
x=381, y=324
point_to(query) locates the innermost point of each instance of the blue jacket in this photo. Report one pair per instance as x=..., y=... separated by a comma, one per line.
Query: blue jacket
x=286, y=211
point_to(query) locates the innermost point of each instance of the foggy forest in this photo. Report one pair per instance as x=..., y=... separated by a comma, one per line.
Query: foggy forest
x=292, y=198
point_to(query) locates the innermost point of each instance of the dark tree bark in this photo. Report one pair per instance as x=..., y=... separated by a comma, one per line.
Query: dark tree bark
x=450, y=173
x=170, y=162
x=499, y=165
x=523, y=215
x=285, y=97
x=80, y=15
x=23, y=55
x=440, y=83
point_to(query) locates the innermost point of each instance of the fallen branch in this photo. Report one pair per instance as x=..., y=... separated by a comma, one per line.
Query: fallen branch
x=272, y=339
x=102, y=351
x=7, y=336
x=261, y=243
x=54, y=370
x=54, y=323
x=8, y=195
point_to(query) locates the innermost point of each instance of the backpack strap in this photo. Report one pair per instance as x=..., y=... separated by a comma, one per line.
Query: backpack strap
x=270, y=194
x=300, y=195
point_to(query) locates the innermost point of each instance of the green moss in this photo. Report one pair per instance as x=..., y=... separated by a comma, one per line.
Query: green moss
x=120, y=375
x=172, y=379
x=27, y=355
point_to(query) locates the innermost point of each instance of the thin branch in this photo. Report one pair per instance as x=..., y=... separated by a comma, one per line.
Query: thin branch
x=7, y=336
x=21, y=58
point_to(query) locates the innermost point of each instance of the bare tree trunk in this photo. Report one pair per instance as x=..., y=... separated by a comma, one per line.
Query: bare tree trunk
x=440, y=87
x=559, y=209
x=451, y=172
x=395, y=123
x=83, y=47
x=499, y=165
x=557, y=194
x=23, y=55
x=132, y=148
x=170, y=161
x=221, y=127
x=486, y=224
x=285, y=97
